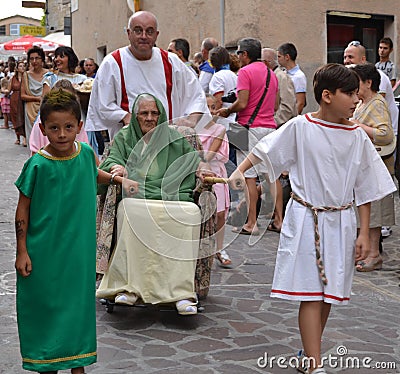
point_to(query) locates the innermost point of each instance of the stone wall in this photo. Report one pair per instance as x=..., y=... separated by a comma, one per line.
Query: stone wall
x=302, y=22
x=57, y=10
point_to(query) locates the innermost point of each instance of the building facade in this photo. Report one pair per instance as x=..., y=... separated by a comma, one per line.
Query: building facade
x=14, y=26
x=319, y=29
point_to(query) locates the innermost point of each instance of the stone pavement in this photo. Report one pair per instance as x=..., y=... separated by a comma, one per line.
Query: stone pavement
x=240, y=323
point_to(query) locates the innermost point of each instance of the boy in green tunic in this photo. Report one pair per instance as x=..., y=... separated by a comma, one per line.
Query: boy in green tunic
x=56, y=243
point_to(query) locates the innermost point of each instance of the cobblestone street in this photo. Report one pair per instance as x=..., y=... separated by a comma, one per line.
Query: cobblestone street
x=241, y=327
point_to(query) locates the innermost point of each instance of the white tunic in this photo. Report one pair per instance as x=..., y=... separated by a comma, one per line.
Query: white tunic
x=147, y=76
x=329, y=164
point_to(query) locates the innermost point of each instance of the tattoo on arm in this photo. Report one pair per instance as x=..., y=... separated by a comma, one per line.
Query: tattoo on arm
x=19, y=227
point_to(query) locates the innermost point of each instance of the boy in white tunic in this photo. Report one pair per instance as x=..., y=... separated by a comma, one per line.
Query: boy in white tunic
x=333, y=166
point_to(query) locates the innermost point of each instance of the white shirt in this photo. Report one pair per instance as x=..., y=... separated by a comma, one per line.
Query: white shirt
x=299, y=79
x=224, y=81
x=386, y=88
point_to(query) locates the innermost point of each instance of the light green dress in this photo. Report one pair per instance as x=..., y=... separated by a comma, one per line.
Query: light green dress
x=56, y=302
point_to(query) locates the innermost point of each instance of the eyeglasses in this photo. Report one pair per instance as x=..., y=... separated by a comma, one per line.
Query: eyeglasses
x=34, y=58
x=238, y=52
x=138, y=31
x=354, y=43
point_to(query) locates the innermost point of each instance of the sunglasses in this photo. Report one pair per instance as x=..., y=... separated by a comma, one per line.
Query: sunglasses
x=354, y=43
x=239, y=52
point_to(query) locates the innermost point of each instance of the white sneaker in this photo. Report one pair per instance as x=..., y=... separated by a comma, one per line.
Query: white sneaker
x=302, y=368
x=386, y=231
x=186, y=307
x=126, y=298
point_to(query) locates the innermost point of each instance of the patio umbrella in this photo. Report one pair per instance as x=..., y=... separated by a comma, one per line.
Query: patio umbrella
x=26, y=42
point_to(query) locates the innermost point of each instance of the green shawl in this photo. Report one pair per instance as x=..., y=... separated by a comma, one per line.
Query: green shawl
x=164, y=166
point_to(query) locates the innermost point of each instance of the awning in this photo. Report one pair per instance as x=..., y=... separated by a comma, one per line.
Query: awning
x=59, y=38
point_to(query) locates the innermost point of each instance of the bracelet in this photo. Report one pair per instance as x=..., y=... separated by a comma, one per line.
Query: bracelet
x=112, y=182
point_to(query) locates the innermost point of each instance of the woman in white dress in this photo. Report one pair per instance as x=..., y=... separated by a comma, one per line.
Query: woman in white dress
x=32, y=87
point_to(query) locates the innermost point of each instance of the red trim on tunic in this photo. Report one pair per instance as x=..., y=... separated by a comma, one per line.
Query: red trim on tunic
x=124, y=102
x=313, y=294
x=168, y=79
x=344, y=127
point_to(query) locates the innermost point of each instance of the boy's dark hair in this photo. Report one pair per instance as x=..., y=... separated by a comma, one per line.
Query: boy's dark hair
x=219, y=56
x=388, y=41
x=368, y=71
x=73, y=60
x=59, y=101
x=288, y=49
x=334, y=77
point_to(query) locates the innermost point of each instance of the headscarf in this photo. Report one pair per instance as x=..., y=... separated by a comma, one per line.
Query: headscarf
x=164, y=166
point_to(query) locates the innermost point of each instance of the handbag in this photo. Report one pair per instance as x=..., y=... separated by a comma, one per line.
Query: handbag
x=238, y=135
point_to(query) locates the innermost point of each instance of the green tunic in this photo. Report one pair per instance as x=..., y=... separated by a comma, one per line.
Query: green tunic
x=56, y=303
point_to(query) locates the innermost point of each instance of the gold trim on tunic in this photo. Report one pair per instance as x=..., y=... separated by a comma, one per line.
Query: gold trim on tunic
x=76, y=153
x=61, y=359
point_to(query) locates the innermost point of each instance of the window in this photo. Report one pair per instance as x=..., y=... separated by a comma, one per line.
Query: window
x=3, y=30
x=101, y=53
x=342, y=30
x=14, y=29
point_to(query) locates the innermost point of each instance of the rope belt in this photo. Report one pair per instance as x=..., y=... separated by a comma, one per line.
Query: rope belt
x=315, y=210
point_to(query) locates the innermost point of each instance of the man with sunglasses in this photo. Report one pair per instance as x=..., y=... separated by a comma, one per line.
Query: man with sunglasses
x=140, y=68
x=355, y=54
x=253, y=78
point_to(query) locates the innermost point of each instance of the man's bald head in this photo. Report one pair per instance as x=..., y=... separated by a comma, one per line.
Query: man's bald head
x=142, y=34
x=354, y=54
x=270, y=57
x=207, y=45
x=143, y=15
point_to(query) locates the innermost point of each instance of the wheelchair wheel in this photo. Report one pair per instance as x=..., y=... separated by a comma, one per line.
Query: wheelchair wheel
x=109, y=306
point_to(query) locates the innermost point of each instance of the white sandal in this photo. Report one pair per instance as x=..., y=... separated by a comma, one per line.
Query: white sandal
x=126, y=298
x=223, y=258
x=186, y=307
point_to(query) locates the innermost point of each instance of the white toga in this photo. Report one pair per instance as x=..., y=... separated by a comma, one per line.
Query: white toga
x=147, y=76
x=329, y=165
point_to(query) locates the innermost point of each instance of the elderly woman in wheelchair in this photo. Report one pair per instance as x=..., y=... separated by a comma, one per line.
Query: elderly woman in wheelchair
x=157, y=231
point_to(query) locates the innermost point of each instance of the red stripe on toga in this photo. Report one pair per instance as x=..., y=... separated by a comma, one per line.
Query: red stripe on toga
x=124, y=102
x=168, y=79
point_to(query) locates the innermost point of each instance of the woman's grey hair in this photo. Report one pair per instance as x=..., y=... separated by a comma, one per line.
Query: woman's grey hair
x=142, y=97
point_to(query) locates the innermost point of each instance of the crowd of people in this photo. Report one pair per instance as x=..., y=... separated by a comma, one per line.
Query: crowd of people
x=171, y=123
x=25, y=81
